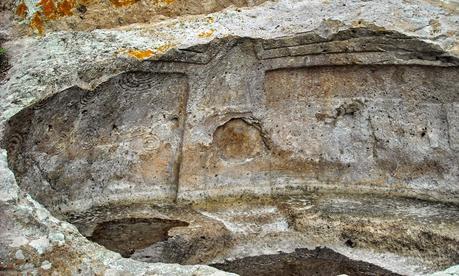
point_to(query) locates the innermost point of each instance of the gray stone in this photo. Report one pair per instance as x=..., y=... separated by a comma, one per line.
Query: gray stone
x=19, y=255
x=41, y=245
x=46, y=265
x=57, y=238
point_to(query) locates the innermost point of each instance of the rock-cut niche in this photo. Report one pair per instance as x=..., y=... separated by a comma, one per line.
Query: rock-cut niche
x=238, y=140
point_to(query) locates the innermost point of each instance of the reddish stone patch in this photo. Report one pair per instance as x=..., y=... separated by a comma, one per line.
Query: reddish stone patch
x=49, y=11
x=65, y=7
x=21, y=10
x=37, y=23
x=48, y=8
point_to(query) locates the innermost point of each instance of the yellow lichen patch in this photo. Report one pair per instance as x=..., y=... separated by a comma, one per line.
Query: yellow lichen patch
x=164, y=48
x=141, y=54
x=123, y=3
x=48, y=8
x=37, y=23
x=206, y=34
x=21, y=10
x=65, y=7
x=210, y=20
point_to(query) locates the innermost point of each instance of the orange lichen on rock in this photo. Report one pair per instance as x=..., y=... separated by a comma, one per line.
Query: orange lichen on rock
x=141, y=54
x=21, y=10
x=122, y=3
x=206, y=34
x=48, y=8
x=49, y=11
x=37, y=23
x=65, y=7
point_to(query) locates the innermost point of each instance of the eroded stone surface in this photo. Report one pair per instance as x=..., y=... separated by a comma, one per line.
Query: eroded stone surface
x=348, y=224
x=256, y=127
x=368, y=125
x=123, y=138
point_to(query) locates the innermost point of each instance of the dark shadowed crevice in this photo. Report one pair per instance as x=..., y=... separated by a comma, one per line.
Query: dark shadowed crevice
x=125, y=236
x=320, y=261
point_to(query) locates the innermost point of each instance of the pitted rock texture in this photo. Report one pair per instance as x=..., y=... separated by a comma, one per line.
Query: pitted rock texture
x=383, y=125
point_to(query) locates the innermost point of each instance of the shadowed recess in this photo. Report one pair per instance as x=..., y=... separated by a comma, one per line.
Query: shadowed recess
x=319, y=262
x=125, y=236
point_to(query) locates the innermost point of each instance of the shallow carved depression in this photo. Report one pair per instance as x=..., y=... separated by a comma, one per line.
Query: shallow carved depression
x=239, y=152
x=128, y=235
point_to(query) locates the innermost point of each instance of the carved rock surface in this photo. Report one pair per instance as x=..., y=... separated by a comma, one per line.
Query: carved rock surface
x=167, y=125
x=96, y=144
x=240, y=124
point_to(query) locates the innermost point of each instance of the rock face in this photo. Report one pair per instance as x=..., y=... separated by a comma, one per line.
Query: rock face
x=157, y=128
x=40, y=16
x=248, y=121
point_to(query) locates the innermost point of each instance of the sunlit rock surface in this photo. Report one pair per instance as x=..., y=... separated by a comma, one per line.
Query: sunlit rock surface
x=244, y=132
